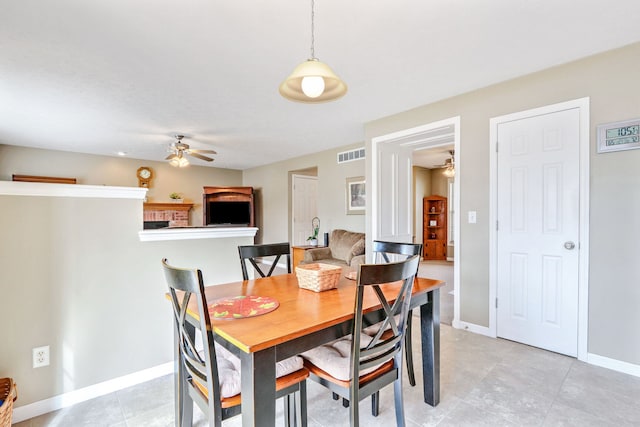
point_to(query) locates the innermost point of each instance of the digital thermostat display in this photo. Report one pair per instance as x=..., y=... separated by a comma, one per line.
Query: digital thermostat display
x=619, y=136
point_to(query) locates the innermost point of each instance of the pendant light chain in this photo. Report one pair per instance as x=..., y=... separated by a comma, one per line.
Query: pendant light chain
x=313, y=52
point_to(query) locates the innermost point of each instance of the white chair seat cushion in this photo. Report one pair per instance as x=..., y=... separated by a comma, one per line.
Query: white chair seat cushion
x=229, y=370
x=335, y=357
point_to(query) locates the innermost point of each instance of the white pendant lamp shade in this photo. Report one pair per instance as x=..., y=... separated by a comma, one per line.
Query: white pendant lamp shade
x=313, y=82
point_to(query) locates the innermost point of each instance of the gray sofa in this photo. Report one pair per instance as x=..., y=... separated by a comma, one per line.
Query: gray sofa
x=346, y=249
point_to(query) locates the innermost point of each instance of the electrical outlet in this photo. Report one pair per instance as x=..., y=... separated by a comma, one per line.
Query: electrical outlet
x=40, y=356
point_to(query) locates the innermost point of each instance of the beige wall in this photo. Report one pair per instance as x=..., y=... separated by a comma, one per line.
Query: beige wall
x=273, y=190
x=118, y=171
x=610, y=80
x=79, y=280
x=439, y=183
x=76, y=277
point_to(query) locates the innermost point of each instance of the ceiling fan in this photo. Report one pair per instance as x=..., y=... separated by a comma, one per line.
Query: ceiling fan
x=179, y=149
x=449, y=165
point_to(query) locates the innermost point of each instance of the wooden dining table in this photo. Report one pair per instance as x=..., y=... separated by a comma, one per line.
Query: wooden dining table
x=303, y=320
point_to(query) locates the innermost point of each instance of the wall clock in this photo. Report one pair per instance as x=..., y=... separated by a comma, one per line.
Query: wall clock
x=144, y=175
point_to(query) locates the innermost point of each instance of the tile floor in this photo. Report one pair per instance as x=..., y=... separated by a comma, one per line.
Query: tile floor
x=484, y=382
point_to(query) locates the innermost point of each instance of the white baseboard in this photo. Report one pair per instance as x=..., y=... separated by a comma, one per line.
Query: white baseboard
x=471, y=327
x=616, y=365
x=31, y=410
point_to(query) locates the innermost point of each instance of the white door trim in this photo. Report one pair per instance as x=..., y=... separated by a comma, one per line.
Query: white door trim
x=416, y=137
x=583, y=258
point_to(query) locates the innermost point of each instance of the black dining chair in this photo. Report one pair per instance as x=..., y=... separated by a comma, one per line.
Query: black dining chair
x=371, y=362
x=257, y=254
x=387, y=252
x=210, y=376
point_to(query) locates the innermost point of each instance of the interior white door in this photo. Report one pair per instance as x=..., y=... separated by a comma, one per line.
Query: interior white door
x=304, y=206
x=538, y=230
x=395, y=189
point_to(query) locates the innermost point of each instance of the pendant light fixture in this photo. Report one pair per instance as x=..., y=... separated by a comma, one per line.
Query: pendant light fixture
x=312, y=81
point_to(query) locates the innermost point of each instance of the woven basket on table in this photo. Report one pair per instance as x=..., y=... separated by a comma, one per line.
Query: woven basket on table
x=318, y=277
x=8, y=394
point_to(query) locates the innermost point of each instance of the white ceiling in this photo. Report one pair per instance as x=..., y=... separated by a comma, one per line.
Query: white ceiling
x=125, y=75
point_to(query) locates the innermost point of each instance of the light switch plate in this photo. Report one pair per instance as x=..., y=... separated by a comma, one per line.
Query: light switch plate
x=472, y=217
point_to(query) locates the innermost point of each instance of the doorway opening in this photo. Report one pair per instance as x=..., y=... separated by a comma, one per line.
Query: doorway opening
x=393, y=197
x=430, y=178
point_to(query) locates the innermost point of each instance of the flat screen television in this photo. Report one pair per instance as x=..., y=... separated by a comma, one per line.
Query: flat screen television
x=228, y=213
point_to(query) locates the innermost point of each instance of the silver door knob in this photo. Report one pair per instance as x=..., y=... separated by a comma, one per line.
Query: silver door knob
x=569, y=245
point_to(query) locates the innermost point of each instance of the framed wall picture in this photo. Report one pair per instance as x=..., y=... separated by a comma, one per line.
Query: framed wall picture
x=356, y=196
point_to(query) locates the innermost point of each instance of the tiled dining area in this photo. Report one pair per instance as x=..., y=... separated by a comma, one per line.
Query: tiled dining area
x=484, y=382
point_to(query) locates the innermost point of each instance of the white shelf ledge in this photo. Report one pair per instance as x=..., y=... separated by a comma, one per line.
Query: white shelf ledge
x=188, y=233
x=17, y=188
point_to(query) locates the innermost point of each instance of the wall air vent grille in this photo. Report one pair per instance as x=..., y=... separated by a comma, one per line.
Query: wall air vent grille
x=350, y=156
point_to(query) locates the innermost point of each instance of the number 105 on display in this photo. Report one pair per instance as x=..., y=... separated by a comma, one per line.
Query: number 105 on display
x=619, y=136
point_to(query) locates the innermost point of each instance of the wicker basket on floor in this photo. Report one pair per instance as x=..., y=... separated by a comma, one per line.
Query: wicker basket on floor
x=8, y=394
x=318, y=277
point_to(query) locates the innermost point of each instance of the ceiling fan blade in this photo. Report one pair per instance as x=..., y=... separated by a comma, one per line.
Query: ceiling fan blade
x=200, y=156
x=203, y=151
x=171, y=156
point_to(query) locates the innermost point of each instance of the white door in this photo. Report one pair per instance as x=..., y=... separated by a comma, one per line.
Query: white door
x=305, y=207
x=395, y=190
x=538, y=229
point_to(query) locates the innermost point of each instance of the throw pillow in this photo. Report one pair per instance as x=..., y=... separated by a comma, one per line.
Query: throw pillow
x=356, y=249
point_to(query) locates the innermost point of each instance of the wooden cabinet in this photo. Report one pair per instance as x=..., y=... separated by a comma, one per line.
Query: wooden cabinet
x=435, y=227
x=298, y=254
x=435, y=249
x=228, y=206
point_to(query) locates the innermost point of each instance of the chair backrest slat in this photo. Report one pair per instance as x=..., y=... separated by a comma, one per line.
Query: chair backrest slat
x=253, y=252
x=402, y=250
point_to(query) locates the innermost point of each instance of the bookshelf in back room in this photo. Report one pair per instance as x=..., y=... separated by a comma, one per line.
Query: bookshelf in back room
x=435, y=228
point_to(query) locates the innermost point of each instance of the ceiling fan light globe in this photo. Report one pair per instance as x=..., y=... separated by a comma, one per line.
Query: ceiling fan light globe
x=449, y=172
